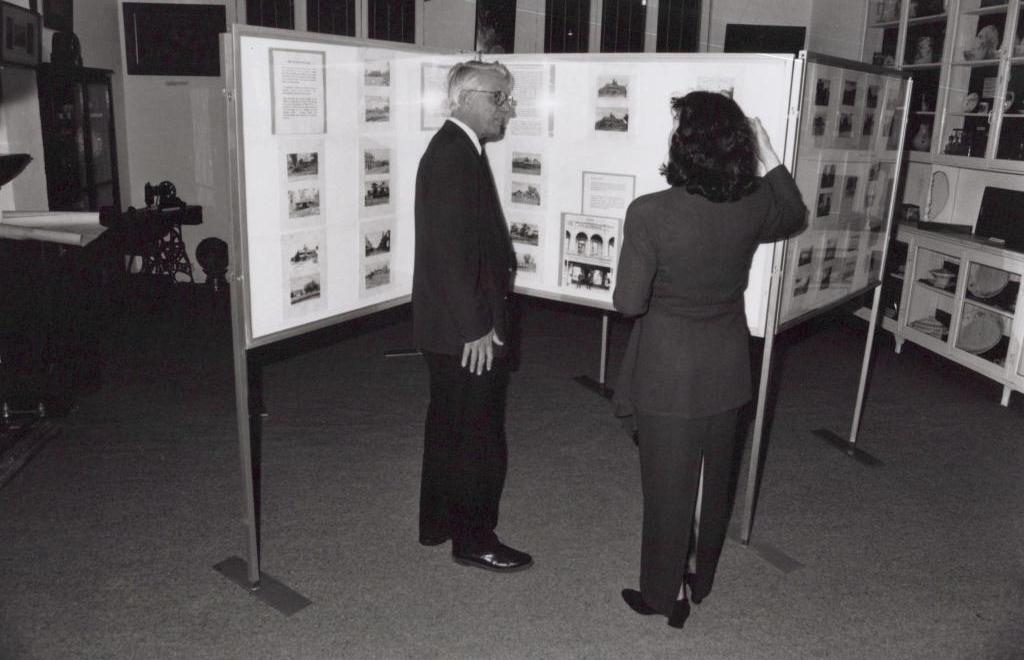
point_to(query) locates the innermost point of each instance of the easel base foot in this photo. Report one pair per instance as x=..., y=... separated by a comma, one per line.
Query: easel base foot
x=594, y=385
x=268, y=590
x=847, y=448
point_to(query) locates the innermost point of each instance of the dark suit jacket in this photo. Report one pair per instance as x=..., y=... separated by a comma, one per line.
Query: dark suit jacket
x=464, y=260
x=683, y=269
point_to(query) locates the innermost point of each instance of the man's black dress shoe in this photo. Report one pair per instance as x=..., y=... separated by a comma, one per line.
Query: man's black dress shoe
x=433, y=540
x=499, y=557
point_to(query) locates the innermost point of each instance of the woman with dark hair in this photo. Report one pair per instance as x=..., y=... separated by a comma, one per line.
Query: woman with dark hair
x=686, y=374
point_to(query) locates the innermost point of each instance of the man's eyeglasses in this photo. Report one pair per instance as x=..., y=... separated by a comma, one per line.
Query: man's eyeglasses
x=498, y=96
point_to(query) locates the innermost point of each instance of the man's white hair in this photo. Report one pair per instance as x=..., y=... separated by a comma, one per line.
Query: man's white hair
x=466, y=75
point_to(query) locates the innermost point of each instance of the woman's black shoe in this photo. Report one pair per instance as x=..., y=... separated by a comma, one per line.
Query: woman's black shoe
x=680, y=613
x=636, y=602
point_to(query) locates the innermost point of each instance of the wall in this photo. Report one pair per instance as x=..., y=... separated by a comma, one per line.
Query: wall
x=836, y=28
x=767, y=12
x=20, y=133
x=449, y=24
x=176, y=130
x=94, y=22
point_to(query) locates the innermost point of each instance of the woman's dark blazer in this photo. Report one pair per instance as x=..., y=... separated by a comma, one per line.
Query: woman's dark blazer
x=464, y=257
x=682, y=271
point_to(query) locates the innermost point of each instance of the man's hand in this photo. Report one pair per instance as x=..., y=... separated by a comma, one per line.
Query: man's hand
x=479, y=353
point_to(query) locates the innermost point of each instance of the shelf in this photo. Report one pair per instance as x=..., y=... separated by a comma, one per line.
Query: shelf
x=983, y=11
x=885, y=25
x=976, y=63
x=969, y=300
x=949, y=292
x=932, y=18
x=922, y=67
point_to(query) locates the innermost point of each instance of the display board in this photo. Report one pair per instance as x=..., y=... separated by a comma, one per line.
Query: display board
x=328, y=133
x=847, y=164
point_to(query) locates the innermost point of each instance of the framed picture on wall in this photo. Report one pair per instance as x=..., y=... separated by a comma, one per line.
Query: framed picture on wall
x=20, y=35
x=59, y=15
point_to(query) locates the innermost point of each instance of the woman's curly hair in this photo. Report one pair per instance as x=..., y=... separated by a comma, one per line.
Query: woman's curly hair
x=713, y=151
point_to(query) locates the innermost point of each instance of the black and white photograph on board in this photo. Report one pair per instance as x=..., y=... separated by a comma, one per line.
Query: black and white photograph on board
x=303, y=202
x=302, y=165
x=822, y=90
x=612, y=120
x=805, y=255
x=830, y=248
x=526, y=163
x=525, y=192
x=868, y=126
x=378, y=109
x=582, y=275
x=376, y=193
x=871, y=100
x=845, y=125
x=849, y=92
x=377, y=74
x=526, y=262
x=527, y=233
x=376, y=273
x=825, y=281
x=801, y=284
x=376, y=241
x=828, y=175
x=304, y=288
x=376, y=160
x=824, y=206
x=612, y=88
x=819, y=125
x=305, y=255
x=849, y=194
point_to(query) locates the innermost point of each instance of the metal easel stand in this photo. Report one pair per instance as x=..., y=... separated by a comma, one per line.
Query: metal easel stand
x=848, y=446
x=599, y=385
x=247, y=574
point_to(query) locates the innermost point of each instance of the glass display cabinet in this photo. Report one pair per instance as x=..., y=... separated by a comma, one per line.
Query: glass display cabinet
x=77, y=119
x=962, y=299
x=967, y=60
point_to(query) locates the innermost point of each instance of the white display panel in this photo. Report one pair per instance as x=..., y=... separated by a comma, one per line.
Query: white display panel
x=327, y=181
x=847, y=165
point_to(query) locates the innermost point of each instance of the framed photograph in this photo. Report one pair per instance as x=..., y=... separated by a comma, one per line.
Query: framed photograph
x=20, y=35
x=59, y=15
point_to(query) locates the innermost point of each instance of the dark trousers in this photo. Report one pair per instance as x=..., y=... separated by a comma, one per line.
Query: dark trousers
x=671, y=449
x=465, y=453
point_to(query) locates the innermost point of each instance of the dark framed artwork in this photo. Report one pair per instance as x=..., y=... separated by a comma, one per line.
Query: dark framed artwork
x=59, y=15
x=495, y=26
x=19, y=33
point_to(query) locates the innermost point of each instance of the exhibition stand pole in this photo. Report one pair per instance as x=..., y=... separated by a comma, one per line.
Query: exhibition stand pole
x=600, y=385
x=849, y=445
x=246, y=572
x=771, y=327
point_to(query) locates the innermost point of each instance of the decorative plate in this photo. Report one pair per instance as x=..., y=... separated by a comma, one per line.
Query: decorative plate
x=939, y=194
x=971, y=102
x=980, y=332
x=987, y=282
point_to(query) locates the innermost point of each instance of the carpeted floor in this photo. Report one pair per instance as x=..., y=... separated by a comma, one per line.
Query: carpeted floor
x=108, y=535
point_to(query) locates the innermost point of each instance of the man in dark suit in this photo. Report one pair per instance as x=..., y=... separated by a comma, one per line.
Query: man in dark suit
x=462, y=282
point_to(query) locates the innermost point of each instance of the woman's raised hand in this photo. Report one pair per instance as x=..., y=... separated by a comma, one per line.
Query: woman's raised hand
x=765, y=153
